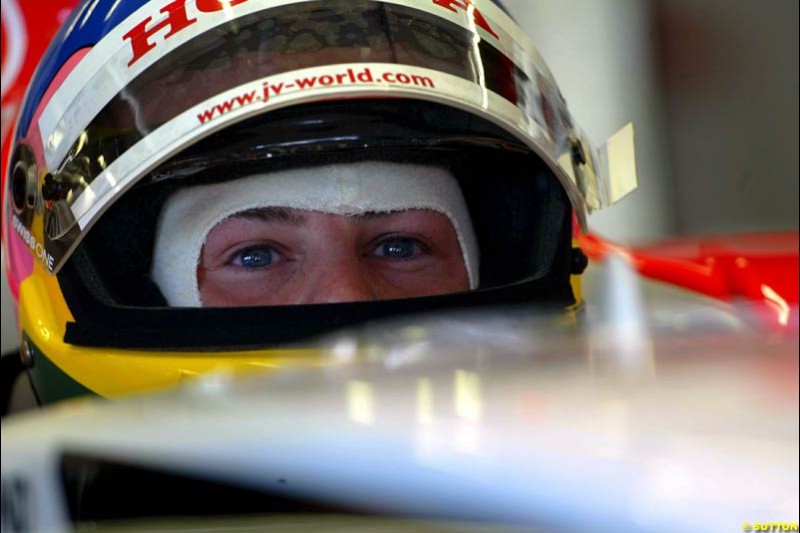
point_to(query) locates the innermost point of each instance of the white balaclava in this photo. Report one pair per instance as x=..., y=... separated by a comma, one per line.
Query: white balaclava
x=189, y=215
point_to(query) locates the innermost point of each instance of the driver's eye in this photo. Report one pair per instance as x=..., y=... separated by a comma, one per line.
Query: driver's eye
x=398, y=248
x=256, y=257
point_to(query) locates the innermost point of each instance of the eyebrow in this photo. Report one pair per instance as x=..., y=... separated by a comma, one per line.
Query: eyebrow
x=376, y=215
x=273, y=214
x=292, y=216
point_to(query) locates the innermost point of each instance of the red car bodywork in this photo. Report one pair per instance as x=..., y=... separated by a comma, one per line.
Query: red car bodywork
x=757, y=267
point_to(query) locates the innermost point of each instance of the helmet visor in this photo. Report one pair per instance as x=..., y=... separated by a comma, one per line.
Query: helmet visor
x=137, y=99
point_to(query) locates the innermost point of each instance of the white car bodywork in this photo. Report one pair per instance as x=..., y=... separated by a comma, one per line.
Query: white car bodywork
x=681, y=417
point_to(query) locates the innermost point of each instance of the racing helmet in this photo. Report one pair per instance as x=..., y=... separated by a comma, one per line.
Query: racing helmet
x=137, y=101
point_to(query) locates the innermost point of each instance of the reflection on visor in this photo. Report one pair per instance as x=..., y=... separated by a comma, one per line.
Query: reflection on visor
x=260, y=46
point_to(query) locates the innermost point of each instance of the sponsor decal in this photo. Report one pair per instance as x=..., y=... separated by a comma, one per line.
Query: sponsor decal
x=176, y=18
x=349, y=76
x=36, y=247
x=469, y=7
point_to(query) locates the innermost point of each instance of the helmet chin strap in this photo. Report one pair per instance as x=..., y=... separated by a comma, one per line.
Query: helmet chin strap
x=190, y=214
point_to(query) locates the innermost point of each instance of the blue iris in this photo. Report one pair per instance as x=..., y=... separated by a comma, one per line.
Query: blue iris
x=259, y=257
x=398, y=248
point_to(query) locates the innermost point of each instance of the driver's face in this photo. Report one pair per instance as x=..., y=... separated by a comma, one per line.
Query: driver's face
x=277, y=256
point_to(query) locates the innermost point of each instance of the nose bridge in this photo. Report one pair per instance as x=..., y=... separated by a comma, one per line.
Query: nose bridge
x=339, y=279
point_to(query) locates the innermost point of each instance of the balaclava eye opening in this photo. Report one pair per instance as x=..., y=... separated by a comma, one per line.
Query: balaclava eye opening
x=189, y=215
